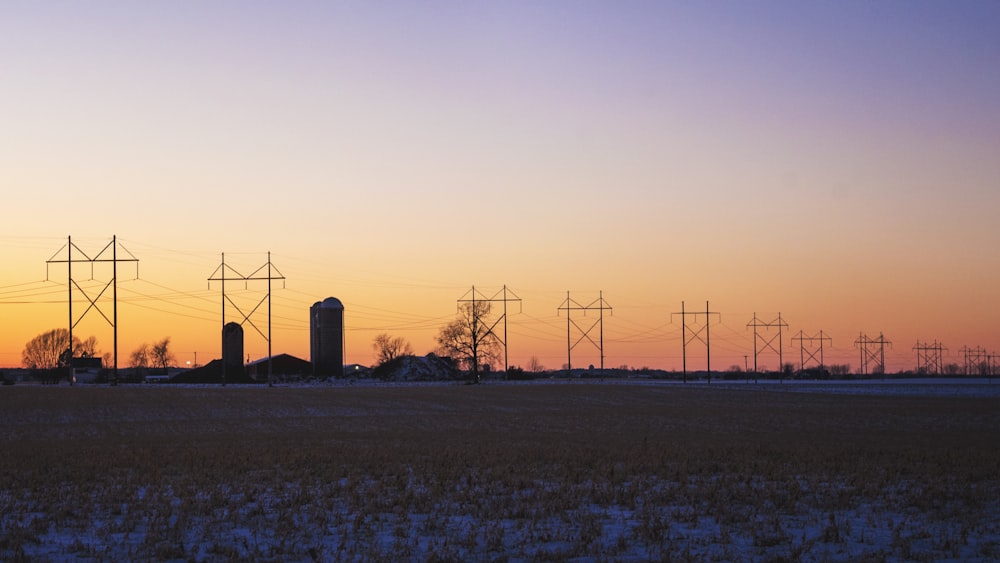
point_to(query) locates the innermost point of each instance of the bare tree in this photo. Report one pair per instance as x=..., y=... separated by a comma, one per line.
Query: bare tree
x=51, y=349
x=140, y=357
x=160, y=355
x=469, y=340
x=86, y=348
x=388, y=348
x=534, y=365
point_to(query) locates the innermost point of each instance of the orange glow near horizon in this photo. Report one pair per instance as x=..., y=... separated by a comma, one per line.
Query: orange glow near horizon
x=641, y=328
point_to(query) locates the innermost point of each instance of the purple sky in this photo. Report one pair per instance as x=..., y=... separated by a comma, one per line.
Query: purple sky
x=834, y=160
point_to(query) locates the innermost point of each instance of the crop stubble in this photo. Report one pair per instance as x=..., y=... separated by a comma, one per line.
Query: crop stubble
x=616, y=472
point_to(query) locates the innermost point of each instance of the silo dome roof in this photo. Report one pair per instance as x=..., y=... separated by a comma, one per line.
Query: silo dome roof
x=332, y=303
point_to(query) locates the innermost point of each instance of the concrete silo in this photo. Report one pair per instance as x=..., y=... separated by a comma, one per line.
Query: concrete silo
x=232, y=349
x=326, y=337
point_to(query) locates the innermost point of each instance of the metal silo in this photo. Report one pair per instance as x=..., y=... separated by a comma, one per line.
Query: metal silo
x=326, y=337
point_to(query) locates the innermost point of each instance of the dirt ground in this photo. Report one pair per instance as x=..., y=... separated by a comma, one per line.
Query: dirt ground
x=531, y=471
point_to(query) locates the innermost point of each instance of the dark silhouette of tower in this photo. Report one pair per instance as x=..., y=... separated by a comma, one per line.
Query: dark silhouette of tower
x=326, y=337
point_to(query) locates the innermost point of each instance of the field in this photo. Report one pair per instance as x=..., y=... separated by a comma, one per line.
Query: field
x=557, y=471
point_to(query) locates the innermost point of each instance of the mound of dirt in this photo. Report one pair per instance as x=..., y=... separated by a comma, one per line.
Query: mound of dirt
x=415, y=368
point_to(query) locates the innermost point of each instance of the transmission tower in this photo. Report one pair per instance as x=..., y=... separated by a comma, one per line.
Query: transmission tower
x=930, y=357
x=100, y=257
x=223, y=273
x=474, y=296
x=976, y=360
x=768, y=343
x=599, y=305
x=696, y=329
x=872, y=353
x=811, y=350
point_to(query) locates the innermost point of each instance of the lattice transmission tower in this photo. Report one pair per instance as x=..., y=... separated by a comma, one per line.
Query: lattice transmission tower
x=976, y=360
x=808, y=352
x=570, y=305
x=267, y=272
x=696, y=330
x=872, y=353
x=765, y=342
x=107, y=255
x=474, y=296
x=930, y=357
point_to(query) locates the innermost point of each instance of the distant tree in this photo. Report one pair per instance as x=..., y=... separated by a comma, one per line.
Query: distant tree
x=140, y=357
x=468, y=339
x=388, y=348
x=86, y=348
x=160, y=355
x=534, y=365
x=51, y=349
x=840, y=370
x=155, y=355
x=952, y=369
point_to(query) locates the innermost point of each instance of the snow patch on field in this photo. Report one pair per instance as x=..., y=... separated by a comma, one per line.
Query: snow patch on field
x=302, y=523
x=416, y=515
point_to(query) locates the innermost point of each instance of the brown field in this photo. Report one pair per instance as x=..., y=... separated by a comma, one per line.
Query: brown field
x=495, y=472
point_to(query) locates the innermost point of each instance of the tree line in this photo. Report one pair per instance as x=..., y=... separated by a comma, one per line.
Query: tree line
x=52, y=350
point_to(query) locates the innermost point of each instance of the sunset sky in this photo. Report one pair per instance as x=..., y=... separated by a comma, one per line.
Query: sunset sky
x=837, y=162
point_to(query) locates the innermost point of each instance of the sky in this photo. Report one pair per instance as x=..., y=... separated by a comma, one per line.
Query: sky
x=837, y=163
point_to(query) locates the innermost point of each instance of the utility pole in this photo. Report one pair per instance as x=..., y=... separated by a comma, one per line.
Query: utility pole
x=501, y=296
x=267, y=272
x=768, y=343
x=100, y=257
x=599, y=305
x=696, y=331
x=811, y=350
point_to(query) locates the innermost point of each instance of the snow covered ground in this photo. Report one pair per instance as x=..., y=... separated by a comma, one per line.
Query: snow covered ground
x=629, y=470
x=927, y=387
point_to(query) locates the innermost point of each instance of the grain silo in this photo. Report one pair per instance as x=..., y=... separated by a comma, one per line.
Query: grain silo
x=326, y=337
x=232, y=349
